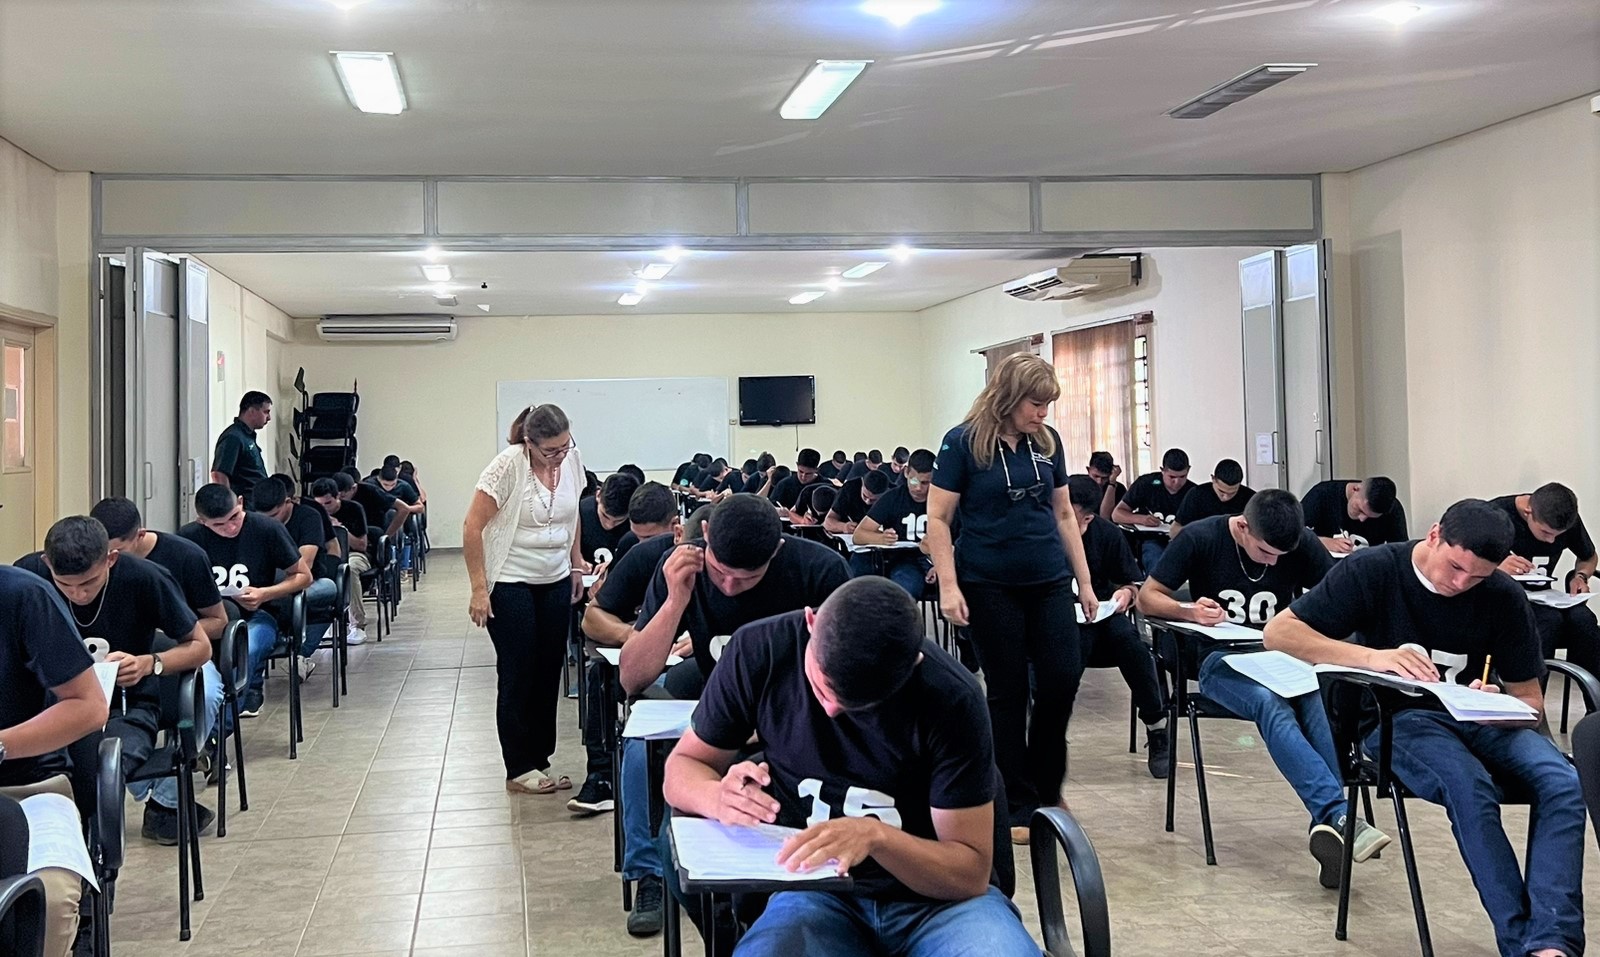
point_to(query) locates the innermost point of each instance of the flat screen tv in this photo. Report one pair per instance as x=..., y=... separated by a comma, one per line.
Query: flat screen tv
x=777, y=400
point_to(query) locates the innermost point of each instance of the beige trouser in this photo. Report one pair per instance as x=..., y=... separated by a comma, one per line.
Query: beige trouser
x=359, y=565
x=62, y=889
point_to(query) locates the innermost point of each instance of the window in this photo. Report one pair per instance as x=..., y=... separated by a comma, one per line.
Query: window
x=993, y=355
x=1106, y=402
x=14, y=439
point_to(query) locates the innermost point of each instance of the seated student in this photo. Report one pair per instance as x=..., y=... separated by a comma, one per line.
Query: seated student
x=1348, y=514
x=388, y=478
x=871, y=462
x=1154, y=499
x=408, y=473
x=185, y=561
x=248, y=553
x=746, y=570
x=734, y=482
x=327, y=493
x=1243, y=569
x=126, y=600
x=311, y=531
x=603, y=520
x=1105, y=472
x=854, y=501
x=815, y=501
x=1438, y=610
x=706, y=485
x=1546, y=524
x=49, y=698
x=877, y=743
x=652, y=511
x=775, y=477
x=835, y=467
x=1225, y=494
x=383, y=509
x=633, y=470
x=897, y=464
x=787, y=492
x=685, y=475
x=900, y=515
x=1116, y=641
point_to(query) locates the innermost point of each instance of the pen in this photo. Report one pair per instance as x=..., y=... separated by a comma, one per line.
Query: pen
x=1487, y=659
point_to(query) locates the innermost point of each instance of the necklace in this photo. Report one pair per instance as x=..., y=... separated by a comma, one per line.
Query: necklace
x=536, y=497
x=98, y=608
x=1240, y=552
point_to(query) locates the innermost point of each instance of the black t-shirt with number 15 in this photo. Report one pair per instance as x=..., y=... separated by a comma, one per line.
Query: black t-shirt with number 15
x=253, y=558
x=1216, y=567
x=897, y=510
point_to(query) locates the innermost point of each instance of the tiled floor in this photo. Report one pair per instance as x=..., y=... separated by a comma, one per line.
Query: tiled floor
x=393, y=835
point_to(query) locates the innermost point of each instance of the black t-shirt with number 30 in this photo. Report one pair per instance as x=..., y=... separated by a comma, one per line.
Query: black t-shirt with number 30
x=1216, y=567
x=252, y=558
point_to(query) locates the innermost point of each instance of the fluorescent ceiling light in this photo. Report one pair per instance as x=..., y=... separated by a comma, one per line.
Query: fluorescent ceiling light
x=654, y=271
x=673, y=253
x=371, y=81
x=441, y=290
x=446, y=300
x=433, y=252
x=1244, y=85
x=630, y=299
x=821, y=85
x=899, y=12
x=862, y=269
x=805, y=297
x=834, y=284
x=1398, y=13
x=901, y=253
x=484, y=306
x=437, y=273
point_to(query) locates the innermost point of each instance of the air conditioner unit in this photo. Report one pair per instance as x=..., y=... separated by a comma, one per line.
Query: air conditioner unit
x=1080, y=277
x=386, y=328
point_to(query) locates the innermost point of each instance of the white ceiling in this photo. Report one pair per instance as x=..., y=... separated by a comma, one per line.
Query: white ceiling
x=588, y=283
x=691, y=87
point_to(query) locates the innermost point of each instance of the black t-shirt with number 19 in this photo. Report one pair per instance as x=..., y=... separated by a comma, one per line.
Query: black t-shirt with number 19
x=1216, y=567
x=897, y=510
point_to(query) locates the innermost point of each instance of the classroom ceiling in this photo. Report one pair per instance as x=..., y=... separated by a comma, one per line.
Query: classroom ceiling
x=589, y=283
x=691, y=87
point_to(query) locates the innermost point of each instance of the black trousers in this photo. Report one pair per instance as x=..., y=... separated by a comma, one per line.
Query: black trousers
x=1586, y=755
x=137, y=729
x=529, y=630
x=1574, y=629
x=595, y=717
x=1015, y=628
x=1116, y=642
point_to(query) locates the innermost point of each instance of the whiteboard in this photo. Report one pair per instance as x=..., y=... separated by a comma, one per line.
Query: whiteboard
x=656, y=424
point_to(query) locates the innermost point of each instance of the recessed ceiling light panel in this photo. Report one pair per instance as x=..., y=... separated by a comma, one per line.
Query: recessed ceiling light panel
x=862, y=269
x=1244, y=85
x=801, y=299
x=654, y=271
x=630, y=299
x=436, y=273
x=899, y=12
x=1398, y=13
x=371, y=81
x=820, y=87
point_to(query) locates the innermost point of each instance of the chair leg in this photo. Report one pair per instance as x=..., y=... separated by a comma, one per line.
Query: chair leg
x=1200, y=784
x=1133, y=729
x=1172, y=773
x=186, y=785
x=294, y=692
x=1341, y=923
x=1409, y=851
x=1566, y=701
x=184, y=810
x=238, y=758
x=219, y=760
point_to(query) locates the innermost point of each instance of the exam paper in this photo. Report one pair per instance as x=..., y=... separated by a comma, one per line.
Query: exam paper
x=1106, y=610
x=55, y=836
x=106, y=671
x=658, y=719
x=614, y=656
x=1533, y=578
x=1463, y=703
x=712, y=851
x=1284, y=675
x=1225, y=632
x=1557, y=599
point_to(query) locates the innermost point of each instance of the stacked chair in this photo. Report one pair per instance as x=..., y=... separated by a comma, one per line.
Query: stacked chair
x=324, y=439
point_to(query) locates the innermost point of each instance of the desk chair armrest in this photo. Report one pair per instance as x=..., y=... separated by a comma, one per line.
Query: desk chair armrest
x=1344, y=720
x=233, y=657
x=191, y=705
x=1052, y=827
x=22, y=897
x=1587, y=684
x=341, y=580
x=106, y=831
x=297, y=618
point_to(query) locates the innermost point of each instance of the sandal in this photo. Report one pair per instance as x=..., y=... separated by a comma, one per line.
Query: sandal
x=542, y=784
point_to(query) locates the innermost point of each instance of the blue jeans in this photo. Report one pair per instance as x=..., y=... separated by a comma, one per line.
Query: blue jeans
x=640, y=856
x=165, y=791
x=263, y=632
x=815, y=922
x=319, y=604
x=1295, y=731
x=909, y=573
x=1454, y=764
x=1150, y=549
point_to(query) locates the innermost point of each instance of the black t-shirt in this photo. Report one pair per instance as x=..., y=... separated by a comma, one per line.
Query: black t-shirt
x=238, y=456
x=848, y=506
x=254, y=557
x=1214, y=565
x=188, y=565
x=625, y=585
x=1544, y=555
x=1121, y=492
x=39, y=650
x=896, y=509
x=801, y=575
x=139, y=598
x=308, y=525
x=1148, y=494
x=354, y=519
x=403, y=490
x=831, y=469
x=787, y=492
x=1202, y=502
x=1376, y=597
x=707, y=481
x=1005, y=542
x=599, y=544
x=926, y=746
x=1111, y=563
x=1328, y=514
x=803, y=504
x=625, y=544
x=732, y=482
x=376, y=502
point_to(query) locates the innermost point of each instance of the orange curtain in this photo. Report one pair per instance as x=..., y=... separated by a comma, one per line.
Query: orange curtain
x=1095, y=411
x=993, y=356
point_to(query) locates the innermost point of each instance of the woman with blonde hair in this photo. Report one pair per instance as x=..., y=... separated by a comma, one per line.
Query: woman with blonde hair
x=525, y=563
x=1010, y=577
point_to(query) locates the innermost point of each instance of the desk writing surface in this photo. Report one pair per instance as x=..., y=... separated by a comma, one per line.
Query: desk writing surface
x=658, y=719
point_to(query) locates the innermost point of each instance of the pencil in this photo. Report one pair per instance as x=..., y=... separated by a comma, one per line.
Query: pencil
x=1487, y=660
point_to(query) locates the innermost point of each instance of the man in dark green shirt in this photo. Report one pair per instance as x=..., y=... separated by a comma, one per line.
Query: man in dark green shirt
x=238, y=464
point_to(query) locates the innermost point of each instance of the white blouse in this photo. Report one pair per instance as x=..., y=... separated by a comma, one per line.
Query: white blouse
x=530, y=537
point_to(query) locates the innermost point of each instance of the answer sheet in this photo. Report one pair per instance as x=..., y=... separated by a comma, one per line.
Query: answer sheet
x=1284, y=675
x=1106, y=610
x=1226, y=632
x=712, y=851
x=55, y=836
x=1557, y=599
x=654, y=718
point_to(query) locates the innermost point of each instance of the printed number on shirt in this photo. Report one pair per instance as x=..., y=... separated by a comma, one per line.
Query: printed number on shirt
x=98, y=648
x=717, y=644
x=236, y=577
x=1449, y=665
x=602, y=556
x=1255, y=611
x=858, y=802
x=916, y=527
x=1541, y=564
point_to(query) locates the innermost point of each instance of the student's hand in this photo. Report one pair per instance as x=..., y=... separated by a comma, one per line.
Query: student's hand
x=1339, y=546
x=1207, y=612
x=953, y=604
x=577, y=586
x=1089, y=603
x=845, y=841
x=1578, y=586
x=850, y=528
x=890, y=536
x=249, y=598
x=1149, y=521
x=684, y=646
x=1405, y=662
x=131, y=669
x=599, y=581
x=741, y=800
x=1125, y=597
x=1480, y=686
x=478, y=607
x=931, y=577
x=1116, y=473
x=682, y=568
x=1516, y=565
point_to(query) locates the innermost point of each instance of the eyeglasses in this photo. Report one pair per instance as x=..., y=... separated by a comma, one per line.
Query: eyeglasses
x=560, y=453
x=1036, y=490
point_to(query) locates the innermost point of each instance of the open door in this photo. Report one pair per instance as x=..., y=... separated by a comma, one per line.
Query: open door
x=1265, y=465
x=194, y=384
x=151, y=337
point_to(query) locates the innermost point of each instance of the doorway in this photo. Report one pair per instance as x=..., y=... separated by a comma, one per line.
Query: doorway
x=19, y=440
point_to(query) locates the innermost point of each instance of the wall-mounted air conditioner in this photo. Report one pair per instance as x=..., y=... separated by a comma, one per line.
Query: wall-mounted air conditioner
x=1080, y=277
x=399, y=328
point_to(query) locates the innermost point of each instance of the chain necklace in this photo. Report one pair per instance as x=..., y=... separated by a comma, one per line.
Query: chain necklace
x=537, y=497
x=1246, y=571
x=97, y=610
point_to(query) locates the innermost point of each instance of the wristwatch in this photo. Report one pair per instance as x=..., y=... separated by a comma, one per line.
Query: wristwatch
x=2, y=752
x=158, y=668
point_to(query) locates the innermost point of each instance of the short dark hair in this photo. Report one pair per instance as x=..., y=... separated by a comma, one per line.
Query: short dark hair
x=267, y=495
x=389, y=473
x=1228, y=472
x=901, y=453
x=324, y=487
x=839, y=456
x=808, y=458
x=616, y=493
x=1084, y=492
x=253, y=400
x=353, y=472
x=1554, y=505
x=779, y=473
x=875, y=457
x=1381, y=494
x=343, y=480
x=745, y=531
x=1175, y=460
x=287, y=482
x=694, y=527
x=859, y=457
x=1480, y=528
x=650, y=504
x=868, y=635
x=920, y=461
x=214, y=501
x=633, y=470
x=749, y=467
x=765, y=461
x=822, y=499
x=702, y=459
x=875, y=483
x=1275, y=517
x=76, y=544
x=119, y=516
x=393, y=460
x=1101, y=461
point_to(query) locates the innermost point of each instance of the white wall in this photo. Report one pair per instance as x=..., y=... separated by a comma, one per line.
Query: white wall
x=1477, y=311
x=1198, y=366
x=435, y=404
x=250, y=332
x=29, y=277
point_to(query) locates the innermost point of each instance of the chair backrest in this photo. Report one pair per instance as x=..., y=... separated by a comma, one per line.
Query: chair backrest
x=233, y=657
x=22, y=916
x=1056, y=827
x=106, y=838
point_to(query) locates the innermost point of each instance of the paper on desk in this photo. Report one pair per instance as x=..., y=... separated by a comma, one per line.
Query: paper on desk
x=712, y=851
x=229, y=591
x=614, y=656
x=106, y=671
x=1284, y=675
x=1165, y=528
x=55, y=836
x=1106, y=610
x=1225, y=632
x=1557, y=599
x=657, y=719
x=1533, y=578
x=1463, y=703
x=850, y=543
x=589, y=580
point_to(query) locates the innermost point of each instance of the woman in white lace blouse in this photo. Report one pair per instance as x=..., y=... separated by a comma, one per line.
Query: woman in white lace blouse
x=526, y=567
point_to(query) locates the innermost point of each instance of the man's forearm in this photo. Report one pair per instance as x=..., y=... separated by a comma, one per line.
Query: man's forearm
x=644, y=652
x=940, y=549
x=1288, y=634
x=190, y=653
x=219, y=478
x=604, y=628
x=292, y=585
x=1156, y=603
x=691, y=786
x=54, y=728
x=214, y=621
x=943, y=870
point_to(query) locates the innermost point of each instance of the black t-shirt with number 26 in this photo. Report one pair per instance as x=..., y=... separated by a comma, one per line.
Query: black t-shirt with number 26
x=252, y=558
x=1216, y=567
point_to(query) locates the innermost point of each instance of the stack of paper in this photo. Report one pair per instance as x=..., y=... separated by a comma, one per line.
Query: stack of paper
x=1165, y=528
x=1463, y=703
x=850, y=543
x=614, y=657
x=55, y=836
x=1284, y=675
x=1557, y=599
x=1533, y=578
x=656, y=719
x=1106, y=610
x=712, y=851
x=1227, y=632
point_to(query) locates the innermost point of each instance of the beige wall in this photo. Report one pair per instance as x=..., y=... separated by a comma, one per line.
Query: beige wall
x=250, y=332
x=29, y=278
x=435, y=404
x=1476, y=311
x=74, y=320
x=1198, y=368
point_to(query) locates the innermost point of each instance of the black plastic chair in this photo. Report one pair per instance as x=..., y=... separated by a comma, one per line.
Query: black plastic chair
x=288, y=649
x=107, y=842
x=178, y=757
x=1054, y=827
x=22, y=909
x=233, y=664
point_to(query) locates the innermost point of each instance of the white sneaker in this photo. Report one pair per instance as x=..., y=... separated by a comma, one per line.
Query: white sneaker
x=307, y=665
x=356, y=636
